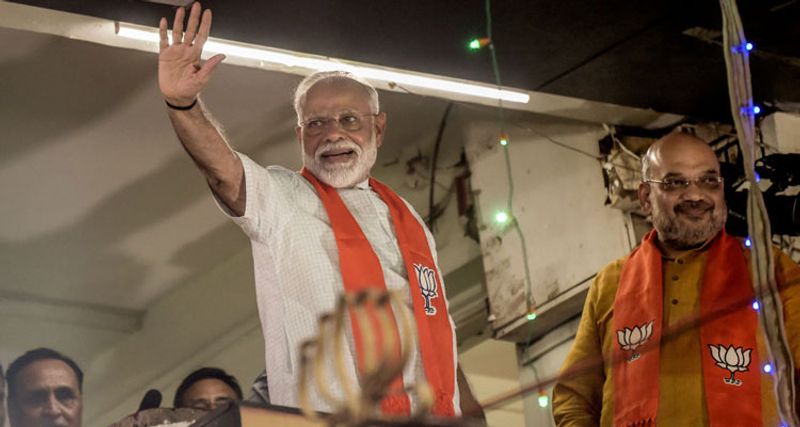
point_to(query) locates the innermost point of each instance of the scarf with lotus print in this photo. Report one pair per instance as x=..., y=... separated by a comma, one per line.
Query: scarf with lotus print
x=727, y=325
x=361, y=270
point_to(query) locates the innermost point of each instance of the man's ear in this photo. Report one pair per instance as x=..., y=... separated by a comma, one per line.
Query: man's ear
x=380, y=128
x=644, y=197
x=298, y=131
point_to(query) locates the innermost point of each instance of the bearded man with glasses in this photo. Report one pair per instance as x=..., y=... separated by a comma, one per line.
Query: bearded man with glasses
x=669, y=334
x=324, y=231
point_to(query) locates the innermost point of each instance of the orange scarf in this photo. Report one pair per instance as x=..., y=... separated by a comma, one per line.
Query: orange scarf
x=361, y=269
x=728, y=324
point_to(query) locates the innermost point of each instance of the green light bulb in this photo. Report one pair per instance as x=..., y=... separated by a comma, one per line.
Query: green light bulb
x=501, y=217
x=475, y=44
x=543, y=400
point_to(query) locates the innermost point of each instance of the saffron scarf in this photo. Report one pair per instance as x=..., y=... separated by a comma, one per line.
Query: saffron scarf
x=361, y=269
x=728, y=325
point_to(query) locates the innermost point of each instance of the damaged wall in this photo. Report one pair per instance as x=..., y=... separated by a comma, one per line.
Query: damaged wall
x=558, y=204
x=570, y=234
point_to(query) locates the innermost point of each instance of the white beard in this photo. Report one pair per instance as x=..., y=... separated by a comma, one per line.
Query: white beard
x=343, y=174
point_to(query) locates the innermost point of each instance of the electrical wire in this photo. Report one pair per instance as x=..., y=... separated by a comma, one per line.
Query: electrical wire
x=556, y=142
x=762, y=262
x=529, y=300
x=621, y=145
x=434, y=160
x=513, y=123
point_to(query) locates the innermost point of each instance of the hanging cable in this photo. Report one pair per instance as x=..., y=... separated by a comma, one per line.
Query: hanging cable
x=513, y=123
x=434, y=161
x=762, y=263
x=504, y=143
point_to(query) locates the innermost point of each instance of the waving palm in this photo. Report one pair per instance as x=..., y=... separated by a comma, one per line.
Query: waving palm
x=181, y=76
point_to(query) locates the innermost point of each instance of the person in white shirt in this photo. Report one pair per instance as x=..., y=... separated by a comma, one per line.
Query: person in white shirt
x=320, y=232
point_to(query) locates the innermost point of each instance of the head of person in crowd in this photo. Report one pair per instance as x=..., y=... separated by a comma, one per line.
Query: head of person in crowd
x=207, y=388
x=682, y=190
x=339, y=126
x=2, y=398
x=45, y=389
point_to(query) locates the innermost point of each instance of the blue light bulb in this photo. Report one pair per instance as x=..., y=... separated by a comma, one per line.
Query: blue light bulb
x=756, y=305
x=747, y=242
x=749, y=46
x=767, y=368
x=756, y=109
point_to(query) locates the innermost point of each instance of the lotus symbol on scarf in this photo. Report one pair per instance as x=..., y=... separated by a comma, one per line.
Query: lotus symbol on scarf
x=734, y=359
x=632, y=338
x=426, y=278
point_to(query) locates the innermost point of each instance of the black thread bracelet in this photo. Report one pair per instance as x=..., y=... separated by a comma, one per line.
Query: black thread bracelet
x=184, y=108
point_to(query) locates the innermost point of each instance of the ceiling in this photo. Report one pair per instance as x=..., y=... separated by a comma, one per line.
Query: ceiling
x=616, y=51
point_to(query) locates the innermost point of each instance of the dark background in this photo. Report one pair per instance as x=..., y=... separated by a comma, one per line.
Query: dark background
x=619, y=51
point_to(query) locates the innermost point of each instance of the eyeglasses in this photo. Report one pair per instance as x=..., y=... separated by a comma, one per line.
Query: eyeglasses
x=708, y=182
x=350, y=122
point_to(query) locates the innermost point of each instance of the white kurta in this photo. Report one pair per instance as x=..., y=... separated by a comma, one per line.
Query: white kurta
x=297, y=274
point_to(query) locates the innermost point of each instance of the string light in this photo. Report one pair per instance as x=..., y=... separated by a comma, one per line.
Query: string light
x=544, y=399
x=748, y=242
x=743, y=48
x=478, y=43
x=767, y=368
x=502, y=217
x=758, y=177
x=756, y=305
x=750, y=109
x=503, y=139
x=487, y=41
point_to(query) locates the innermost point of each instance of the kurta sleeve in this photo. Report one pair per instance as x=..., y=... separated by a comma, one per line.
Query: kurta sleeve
x=261, y=199
x=578, y=395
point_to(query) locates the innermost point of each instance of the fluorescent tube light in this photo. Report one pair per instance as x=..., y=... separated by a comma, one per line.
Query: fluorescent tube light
x=289, y=59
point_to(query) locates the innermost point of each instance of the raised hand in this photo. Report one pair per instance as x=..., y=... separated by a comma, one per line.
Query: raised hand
x=181, y=76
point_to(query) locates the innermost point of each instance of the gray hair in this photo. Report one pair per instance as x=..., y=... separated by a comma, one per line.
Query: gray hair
x=646, y=165
x=313, y=79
